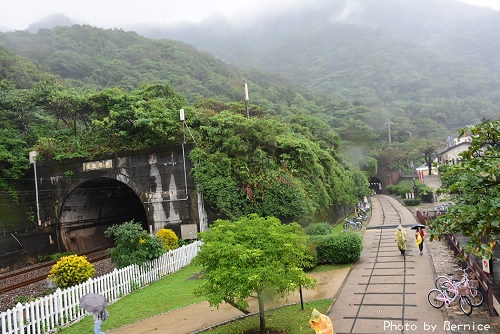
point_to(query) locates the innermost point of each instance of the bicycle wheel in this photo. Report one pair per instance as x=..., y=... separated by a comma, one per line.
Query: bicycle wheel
x=465, y=305
x=448, y=287
x=475, y=297
x=432, y=298
x=439, y=282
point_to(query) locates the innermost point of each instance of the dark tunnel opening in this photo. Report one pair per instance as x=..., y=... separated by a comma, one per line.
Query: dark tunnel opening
x=92, y=207
x=376, y=185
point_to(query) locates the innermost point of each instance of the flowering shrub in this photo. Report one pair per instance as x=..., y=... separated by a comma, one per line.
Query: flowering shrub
x=170, y=240
x=71, y=270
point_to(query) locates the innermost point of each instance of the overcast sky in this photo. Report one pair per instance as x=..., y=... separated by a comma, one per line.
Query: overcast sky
x=18, y=14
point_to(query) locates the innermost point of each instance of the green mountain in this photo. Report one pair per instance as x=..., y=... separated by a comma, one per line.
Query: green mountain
x=21, y=71
x=407, y=59
x=97, y=58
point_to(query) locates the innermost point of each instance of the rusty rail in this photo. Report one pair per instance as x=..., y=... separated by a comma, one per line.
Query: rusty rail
x=42, y=277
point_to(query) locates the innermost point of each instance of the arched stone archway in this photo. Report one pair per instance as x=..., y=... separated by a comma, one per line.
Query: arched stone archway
x=376, y=184
x=92, y=207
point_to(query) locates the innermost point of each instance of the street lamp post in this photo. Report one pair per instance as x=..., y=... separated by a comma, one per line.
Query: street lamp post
x=247, y=100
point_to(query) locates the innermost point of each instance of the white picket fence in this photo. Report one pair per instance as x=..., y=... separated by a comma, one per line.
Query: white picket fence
x=46, y=314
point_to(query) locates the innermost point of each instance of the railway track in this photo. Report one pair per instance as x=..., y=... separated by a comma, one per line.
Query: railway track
x=387, y=278
x=23, y=277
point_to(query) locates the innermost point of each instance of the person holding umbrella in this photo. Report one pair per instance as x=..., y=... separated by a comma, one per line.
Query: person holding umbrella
x=95, y=304
x=419, y=236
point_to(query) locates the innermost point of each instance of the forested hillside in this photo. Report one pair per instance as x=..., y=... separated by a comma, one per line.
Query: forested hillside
x=91, y=59
x=21, y=72
x=408, y=59
x=21, y=122
x=96, y=58
x=289, y=166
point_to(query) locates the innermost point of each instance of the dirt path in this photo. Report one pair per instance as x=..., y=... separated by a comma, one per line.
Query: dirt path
x=201, y=315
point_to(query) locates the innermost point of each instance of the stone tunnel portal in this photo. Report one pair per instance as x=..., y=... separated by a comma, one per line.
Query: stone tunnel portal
x=92, y=207
x=376, y=185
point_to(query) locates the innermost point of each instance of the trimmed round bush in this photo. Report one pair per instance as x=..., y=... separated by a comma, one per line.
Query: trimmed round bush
x=411, y=201
x=170, y=239
x=318, y=229
x=325, y=249
x=339, y=249
x=311, y=251
x=71, y=270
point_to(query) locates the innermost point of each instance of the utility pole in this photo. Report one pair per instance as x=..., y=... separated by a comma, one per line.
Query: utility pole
x=246, y=98
x=32, y=156
x=388, y=123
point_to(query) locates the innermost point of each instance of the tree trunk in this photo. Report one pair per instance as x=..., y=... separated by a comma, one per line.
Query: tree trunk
x=428, y=160
x=262, y=329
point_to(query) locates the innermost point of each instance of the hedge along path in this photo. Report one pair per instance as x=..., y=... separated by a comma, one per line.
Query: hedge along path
x=196, y=316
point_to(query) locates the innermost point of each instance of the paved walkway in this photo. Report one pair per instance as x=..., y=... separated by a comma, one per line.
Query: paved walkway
x=197, y=316
x=386, y=292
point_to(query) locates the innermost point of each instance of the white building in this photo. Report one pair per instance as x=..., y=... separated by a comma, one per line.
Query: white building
x=450, y=156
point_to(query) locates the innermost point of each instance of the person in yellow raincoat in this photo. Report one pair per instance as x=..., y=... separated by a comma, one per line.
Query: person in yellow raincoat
x=320, y=323
x=401, y=239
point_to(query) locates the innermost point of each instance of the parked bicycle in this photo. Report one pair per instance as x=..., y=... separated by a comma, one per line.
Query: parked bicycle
x=352, y=224
x=475, y=296
x=437, y=298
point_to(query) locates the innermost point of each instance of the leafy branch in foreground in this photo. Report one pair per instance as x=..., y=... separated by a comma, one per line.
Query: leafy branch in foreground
x=473, y=186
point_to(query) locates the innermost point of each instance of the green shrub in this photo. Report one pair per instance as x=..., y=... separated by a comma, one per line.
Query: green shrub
x=312, y=254
x=318, y=229
x=133, y=244
x=411, y=201
x=71, y=270
x=340, y=248
x=349, y=246
x=399, y=189
x=425, y=192
x=391, y=189
x=184, y=242
x=170, y=239
x=325, y=249
x=23, y=299
x=57, y=256
x=443, y=168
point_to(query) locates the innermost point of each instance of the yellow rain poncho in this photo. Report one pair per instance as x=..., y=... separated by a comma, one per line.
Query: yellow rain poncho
x=320, y=323
x=401, y=238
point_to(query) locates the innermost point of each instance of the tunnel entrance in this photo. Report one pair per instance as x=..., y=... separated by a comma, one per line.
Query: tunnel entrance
x=92, y=207
x=375, y=185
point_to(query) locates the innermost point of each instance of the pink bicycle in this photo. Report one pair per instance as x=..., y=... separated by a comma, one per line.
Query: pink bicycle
x=475, y=296
x=438, y=298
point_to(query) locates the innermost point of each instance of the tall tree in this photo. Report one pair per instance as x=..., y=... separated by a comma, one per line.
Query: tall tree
x=426, y=149
x=251, y=257
x=474, y=188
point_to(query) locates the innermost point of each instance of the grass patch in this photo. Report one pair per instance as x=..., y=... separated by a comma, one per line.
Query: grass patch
x=406, y=183
x=290, y=319
x=339, y=228
x=169, y=293
x=328, y=267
